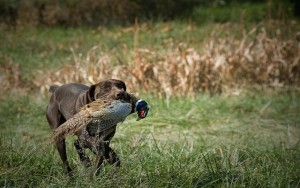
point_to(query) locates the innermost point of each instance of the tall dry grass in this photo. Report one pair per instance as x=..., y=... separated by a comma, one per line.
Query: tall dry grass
x=221, y=65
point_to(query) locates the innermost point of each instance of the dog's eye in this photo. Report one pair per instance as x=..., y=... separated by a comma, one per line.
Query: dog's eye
x=121, y=86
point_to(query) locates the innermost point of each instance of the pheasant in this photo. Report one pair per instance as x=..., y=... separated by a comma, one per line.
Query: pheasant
x=100, y=116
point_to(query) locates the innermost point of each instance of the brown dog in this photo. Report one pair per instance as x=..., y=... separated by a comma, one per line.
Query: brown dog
x=67, y=100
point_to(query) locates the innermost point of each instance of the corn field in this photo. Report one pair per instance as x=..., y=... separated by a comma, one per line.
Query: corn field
x=221, y=65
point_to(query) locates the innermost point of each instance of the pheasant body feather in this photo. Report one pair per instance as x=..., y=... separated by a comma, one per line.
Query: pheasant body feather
x=99, y=115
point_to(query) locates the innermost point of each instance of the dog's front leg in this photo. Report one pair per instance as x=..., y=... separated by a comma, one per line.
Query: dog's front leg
x=99, y=161
x=61, y=147
x=112, y=157
x=83, y=157
x=100, y=148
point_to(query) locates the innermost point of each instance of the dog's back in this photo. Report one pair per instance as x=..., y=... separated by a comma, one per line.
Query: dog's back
x=53, y=88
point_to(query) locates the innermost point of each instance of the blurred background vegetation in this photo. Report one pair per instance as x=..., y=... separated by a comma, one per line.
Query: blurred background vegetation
x=196, y=45
x=112, y=12
x=222, y=79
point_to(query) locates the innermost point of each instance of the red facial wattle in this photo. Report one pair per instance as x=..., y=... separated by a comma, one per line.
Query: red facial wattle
x=141, y=113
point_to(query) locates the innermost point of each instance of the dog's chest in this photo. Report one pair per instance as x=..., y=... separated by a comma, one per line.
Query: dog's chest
x=96, y=131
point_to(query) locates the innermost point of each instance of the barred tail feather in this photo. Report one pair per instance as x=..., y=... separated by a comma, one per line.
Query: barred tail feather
x=71, y=126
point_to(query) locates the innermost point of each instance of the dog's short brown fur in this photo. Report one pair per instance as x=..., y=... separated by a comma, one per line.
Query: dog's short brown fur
x=67, y=100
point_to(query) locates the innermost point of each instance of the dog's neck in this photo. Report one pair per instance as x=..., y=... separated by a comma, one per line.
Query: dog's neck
x=82, y=100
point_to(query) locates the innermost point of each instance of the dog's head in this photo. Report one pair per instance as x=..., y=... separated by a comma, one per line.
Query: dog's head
x=109, y=89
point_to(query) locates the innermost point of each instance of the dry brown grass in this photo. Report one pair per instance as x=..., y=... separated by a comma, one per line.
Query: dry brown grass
x=221, y=65
x=10, y=80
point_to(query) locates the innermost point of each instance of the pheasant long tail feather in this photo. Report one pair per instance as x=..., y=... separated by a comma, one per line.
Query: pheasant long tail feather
x=74, y=124
x=108, y=112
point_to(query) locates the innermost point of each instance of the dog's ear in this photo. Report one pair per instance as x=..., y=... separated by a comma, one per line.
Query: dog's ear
x=91, y=93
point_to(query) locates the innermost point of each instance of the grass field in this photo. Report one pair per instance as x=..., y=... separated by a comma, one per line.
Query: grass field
x=248, y=138
x=245, y=141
